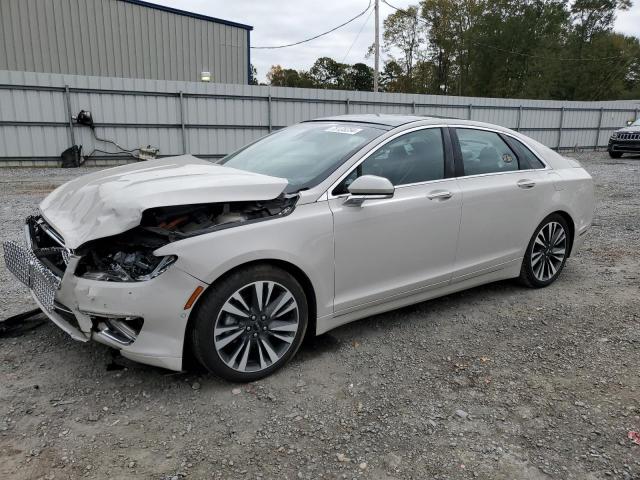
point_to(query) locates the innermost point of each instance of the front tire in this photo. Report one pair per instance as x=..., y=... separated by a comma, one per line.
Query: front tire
x=546, y=253
x=250, y=323
x=615, y=154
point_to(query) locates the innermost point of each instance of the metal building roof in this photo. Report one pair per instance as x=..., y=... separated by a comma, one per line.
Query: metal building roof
x=188, y=14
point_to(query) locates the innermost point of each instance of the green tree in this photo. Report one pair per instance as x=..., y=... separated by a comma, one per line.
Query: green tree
x=253, y=75
x=404, y=31
x=391, y=77
x=590, y=31
x=359, y=76
x=288, y=77
x=328, y=73
x=556, y=49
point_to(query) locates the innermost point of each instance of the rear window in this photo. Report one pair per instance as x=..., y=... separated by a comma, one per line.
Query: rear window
x=485, y=152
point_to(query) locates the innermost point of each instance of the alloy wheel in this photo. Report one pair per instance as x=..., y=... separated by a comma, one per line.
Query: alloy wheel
x=256, y=326
x=549, y=251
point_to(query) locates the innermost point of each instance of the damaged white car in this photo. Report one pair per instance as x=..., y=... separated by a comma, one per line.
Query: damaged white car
x=311, y=227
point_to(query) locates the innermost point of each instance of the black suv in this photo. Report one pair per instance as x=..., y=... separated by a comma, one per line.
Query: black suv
x=625, y=140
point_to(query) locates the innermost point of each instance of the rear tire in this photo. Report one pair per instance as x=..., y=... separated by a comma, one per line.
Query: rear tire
x=250, y=323
x=615, y=154
x=546, y=252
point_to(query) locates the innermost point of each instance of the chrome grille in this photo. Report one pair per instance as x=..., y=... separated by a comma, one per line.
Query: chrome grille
x=629, y=136
x=31, y=272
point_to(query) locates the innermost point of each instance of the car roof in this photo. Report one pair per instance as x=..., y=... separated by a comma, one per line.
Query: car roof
x=378, y=119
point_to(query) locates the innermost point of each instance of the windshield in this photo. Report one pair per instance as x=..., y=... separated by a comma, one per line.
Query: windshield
x=304, y=154
x=636, y=123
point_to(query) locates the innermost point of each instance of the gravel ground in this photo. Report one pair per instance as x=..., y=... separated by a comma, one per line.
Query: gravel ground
x=499, y=382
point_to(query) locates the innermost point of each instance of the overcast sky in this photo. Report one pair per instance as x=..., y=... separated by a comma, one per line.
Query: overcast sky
x=277, y=22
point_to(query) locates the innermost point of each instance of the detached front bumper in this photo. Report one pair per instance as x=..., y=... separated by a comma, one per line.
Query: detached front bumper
x=145, y=320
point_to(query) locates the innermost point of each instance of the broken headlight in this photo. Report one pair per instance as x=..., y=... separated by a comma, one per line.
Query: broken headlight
x=137, y=266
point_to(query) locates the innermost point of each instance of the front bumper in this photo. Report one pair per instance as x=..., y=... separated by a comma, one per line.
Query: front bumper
x=90, y=309
x=624, y=146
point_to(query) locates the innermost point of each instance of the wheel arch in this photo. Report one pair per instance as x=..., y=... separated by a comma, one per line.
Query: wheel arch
x=293, y=270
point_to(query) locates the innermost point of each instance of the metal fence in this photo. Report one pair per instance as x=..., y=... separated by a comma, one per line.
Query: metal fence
x=211, y=120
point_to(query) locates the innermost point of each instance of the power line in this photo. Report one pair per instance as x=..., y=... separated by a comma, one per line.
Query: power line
x=316, y=36
x=357, y=36
x=405, y=12
x=511, y=52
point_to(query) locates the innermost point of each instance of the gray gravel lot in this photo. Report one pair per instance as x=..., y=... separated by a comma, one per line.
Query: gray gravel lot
x=499, y=382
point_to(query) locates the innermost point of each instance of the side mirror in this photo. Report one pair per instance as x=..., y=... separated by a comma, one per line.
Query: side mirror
x=369, y=187
x=629, y=122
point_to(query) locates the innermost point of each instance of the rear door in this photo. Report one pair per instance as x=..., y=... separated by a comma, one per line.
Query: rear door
x=503, y=198
x=389, y=247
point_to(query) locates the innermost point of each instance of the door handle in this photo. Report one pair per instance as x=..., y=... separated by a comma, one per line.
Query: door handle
x=526, y=183
x=441, y=195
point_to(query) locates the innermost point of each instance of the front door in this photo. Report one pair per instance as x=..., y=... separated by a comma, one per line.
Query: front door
x=390, y=247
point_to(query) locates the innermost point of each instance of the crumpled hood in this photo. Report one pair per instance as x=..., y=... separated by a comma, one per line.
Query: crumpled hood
x=111, y=201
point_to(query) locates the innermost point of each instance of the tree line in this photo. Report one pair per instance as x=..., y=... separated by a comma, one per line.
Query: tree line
x=551, y=49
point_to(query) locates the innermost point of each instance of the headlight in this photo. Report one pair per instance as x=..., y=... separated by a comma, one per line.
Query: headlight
x=614, y=135
x=137, y=266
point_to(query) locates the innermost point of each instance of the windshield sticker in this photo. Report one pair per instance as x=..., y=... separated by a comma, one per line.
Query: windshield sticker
x=343, y=129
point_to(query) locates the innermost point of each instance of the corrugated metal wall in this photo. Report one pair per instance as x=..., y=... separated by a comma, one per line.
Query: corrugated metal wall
x=115, y=38
x=210, y=120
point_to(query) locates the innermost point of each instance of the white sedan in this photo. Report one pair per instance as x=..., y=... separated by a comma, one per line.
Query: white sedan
x=309, y=228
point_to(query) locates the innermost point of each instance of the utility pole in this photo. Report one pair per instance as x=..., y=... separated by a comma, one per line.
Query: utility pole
x=376, y=69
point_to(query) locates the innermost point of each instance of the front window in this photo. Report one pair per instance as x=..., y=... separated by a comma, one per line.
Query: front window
x=415, y=157
x=304, y=154
x=636, y=123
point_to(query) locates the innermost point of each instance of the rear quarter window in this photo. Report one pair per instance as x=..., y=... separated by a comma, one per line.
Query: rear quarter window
x=528, y=160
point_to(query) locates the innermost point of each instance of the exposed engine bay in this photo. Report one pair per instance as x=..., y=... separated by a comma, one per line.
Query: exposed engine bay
x=129, y=256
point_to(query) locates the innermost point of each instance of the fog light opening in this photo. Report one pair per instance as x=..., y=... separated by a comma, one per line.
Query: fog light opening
x=117, y=331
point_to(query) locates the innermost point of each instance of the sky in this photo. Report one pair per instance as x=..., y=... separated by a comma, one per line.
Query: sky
x=277, y=22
